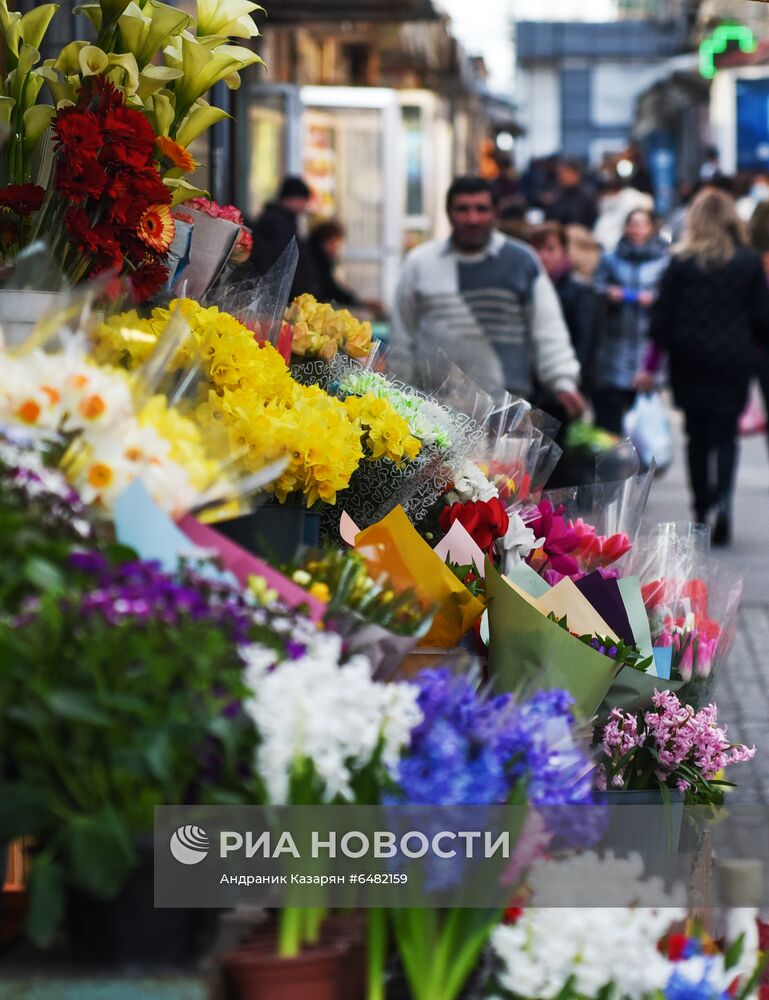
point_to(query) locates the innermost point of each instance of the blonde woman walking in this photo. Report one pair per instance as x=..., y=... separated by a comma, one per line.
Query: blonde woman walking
x=713, y=308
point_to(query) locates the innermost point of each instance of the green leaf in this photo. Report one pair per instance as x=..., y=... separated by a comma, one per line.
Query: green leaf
x=43, y=575
x=77, y=707
x=45, y=894
x=159, y=757
x=99, y=854
x=734, y=954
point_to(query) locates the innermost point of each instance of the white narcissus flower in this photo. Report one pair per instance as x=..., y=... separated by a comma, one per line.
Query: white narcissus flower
x=518, y=542
x=331, y=715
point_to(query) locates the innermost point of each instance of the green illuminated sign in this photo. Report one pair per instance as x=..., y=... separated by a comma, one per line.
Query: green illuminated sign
x=717, y=42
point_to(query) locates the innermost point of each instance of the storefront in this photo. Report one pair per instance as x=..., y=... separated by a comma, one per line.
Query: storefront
x=376, y=158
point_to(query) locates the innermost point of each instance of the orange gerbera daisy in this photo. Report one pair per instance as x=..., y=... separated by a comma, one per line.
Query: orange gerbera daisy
x=176, y=155
x=157, y=227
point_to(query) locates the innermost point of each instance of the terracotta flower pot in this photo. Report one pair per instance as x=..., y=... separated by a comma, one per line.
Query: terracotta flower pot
x=348, y=932
x=257, y=973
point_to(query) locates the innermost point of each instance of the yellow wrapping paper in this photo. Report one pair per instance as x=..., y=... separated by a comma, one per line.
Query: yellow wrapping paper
x=393, y=546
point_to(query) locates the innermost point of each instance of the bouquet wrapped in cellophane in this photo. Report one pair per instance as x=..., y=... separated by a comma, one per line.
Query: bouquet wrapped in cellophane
x=433, y=437
x=587, y=528
x=692, y=602
x=372, y=614
x=106, y=427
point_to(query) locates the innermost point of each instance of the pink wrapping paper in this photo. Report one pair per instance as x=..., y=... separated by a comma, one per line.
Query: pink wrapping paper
x=244, y=565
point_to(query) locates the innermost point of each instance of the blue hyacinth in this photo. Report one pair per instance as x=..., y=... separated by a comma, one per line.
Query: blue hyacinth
x=474, y=750
x=680, y=987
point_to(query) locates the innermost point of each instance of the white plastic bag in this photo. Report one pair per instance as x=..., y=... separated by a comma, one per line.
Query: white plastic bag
x=648, y=426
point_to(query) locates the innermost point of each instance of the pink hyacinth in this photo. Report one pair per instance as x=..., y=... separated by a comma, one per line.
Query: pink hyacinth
x=677, y=735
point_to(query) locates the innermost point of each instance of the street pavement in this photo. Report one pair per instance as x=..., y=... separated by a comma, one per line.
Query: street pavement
x=743, y=690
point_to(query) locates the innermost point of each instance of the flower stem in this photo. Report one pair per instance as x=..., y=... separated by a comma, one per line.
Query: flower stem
x=290, y=932
x=376, y=955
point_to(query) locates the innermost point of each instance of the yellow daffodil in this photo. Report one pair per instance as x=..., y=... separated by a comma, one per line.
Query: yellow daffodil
x=251, y=395
x=385, y=433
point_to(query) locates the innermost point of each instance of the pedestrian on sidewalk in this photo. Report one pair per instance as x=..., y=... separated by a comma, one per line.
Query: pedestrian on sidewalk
x=713, y=308
x=551, y=243
x=486, y=301
x=627, y=280
x=279, y=223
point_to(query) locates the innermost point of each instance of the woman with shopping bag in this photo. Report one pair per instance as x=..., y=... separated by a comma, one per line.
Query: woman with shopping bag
x=627, y=280
x=713, y=308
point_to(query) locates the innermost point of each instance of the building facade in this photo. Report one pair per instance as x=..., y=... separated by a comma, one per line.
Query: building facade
x=577, y=82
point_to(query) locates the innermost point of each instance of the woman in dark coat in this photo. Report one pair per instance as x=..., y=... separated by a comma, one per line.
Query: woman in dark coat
x=713, y=308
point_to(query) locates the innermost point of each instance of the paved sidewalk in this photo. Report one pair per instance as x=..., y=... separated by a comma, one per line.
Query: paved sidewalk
x=743, y=690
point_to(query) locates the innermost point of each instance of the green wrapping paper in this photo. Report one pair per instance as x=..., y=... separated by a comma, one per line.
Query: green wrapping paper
x=529, y=652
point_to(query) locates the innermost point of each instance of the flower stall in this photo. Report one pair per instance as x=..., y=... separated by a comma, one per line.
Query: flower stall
x=454, y=639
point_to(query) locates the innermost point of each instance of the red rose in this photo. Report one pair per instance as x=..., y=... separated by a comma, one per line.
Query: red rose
x=23, y=199
x=483, y=520
x=78, y=132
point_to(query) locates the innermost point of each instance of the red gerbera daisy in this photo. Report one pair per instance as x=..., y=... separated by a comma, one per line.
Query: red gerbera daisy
x=23, y=199
x=78, y=132
x=81, y=179
x=148, y=280
x=97, y=243
x=125, y=125
x=99, y=94
x=125, y=154
x=142, y=187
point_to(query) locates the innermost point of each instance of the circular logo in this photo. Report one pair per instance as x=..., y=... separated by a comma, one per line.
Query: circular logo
x=190, y=845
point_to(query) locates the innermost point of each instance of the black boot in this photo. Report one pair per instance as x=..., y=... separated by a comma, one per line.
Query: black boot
x=722, y=531
x=701, y=515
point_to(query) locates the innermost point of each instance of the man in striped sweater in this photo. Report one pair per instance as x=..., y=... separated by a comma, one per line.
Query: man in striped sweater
x=485, y=301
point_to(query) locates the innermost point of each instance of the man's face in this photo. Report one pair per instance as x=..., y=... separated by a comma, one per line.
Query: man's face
x=473, y=218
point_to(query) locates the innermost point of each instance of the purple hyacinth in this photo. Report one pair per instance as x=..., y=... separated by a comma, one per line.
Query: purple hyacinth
x=141, y=591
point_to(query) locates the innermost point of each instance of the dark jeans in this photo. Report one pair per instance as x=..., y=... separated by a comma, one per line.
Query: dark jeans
x=610, y=407
x=762, y=371
x=712, y=458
